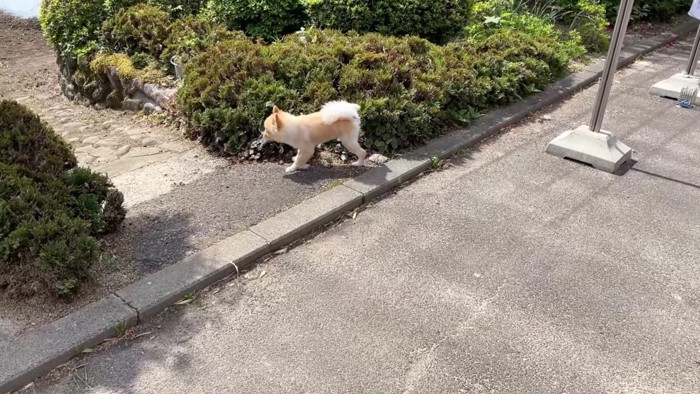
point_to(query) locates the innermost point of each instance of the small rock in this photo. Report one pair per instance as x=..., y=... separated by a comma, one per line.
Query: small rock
x=148, y=142
x=91, y=140
x=123, y=150
x=106, y=142
x=377, y=158
x=150, y=108
x=132, y=105
x=344, y=157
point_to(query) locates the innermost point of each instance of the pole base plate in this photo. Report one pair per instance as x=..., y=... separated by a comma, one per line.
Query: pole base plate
x=671, y=87
x=601, y=150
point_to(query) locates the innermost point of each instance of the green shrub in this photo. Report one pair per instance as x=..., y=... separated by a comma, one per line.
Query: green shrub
x=141, y=28
x=591, y=24
x=191, y=35
x=181, y=8
x=267, y=19
x=25, y=141
x=651, y=10
x=580, y=22
x=435, y=20
x=410, y=90
x=529, y=24
x=71, y=26
x=51, y=211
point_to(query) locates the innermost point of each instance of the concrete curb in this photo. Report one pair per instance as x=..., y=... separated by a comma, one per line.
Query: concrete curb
x=33, y=355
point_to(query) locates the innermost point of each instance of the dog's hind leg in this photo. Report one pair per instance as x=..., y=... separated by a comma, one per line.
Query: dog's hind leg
x=351, y=144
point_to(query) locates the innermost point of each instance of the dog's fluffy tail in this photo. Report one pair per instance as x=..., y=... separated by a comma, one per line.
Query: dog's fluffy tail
x=337, y=110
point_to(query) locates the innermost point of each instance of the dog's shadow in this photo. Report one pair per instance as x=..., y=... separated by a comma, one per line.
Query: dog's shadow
x=318, y=174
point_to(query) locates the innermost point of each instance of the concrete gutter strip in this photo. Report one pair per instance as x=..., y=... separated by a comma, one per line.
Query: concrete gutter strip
x=162, y=289
x=37, y=353
x=298, y=221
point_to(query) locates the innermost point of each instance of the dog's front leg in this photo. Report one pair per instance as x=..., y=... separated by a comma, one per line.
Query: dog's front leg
x=300, y=160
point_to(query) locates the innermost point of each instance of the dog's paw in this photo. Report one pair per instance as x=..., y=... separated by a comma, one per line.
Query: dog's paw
x=290, y=169
x=358, y=163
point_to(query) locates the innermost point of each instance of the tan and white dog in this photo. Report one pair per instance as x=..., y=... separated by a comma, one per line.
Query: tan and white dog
x=336, y=120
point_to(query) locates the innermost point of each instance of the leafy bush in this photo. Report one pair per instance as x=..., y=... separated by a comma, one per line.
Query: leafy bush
x=141, y=28
x=50, y=210
x=591, y=24
x=268, y=19
x=191, y=35
x=410, y=90
x=435, y=20
x=531, y=25
x=580, y=22
x=652, y=10
x=643, y=10
x=24, y=141
x=72, y=25
x=181, y=8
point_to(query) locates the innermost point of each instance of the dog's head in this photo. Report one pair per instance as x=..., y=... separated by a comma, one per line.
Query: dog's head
x=272, y=124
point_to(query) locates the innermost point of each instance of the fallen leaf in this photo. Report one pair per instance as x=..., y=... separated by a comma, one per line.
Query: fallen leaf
x=87, y=350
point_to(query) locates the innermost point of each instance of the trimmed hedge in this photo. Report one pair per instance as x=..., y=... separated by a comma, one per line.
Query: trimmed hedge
x=435, y=20
x=51, y=211
x=410, y=90
x=267, y=19
x=141, y=28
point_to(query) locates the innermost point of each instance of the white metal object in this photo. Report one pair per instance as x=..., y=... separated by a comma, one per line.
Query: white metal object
x=589, y=144
x=178, y=67
x=695, y=9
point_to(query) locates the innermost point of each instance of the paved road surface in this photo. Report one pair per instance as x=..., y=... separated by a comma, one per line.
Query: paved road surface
x=510, y=272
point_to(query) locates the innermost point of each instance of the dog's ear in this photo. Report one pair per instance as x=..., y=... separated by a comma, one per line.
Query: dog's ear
x=275, y=110
x=274, y=123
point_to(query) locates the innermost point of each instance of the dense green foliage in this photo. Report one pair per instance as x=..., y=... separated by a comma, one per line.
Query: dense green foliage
x=72, y=26
x=416, y=67
x=410, y=90
x=141, y=28
x=51, y=211
x=435, y=20
x=268, y=19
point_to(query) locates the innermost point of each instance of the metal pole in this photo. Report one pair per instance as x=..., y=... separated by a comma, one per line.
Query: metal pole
x=618, y=36
x=694, y=54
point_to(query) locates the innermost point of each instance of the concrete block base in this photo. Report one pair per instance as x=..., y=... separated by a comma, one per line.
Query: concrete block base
x=601, y=150
x=671, y=87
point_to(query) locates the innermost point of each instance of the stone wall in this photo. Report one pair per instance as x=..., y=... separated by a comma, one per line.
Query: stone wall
x=78, y=83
